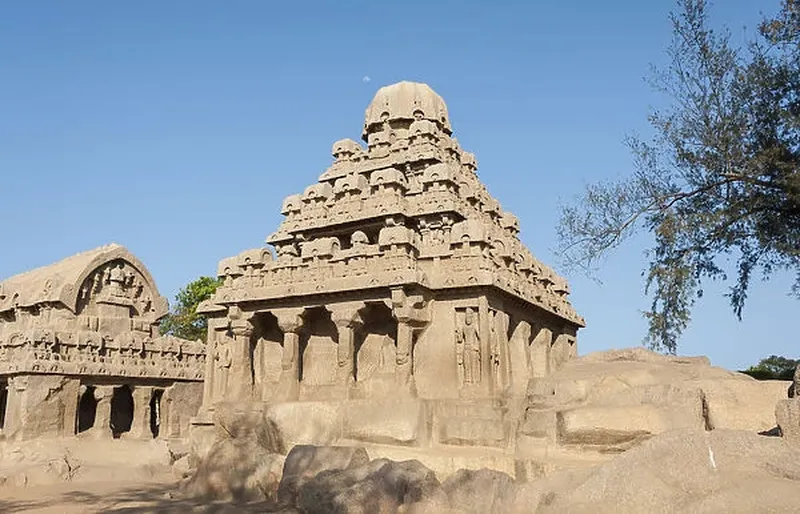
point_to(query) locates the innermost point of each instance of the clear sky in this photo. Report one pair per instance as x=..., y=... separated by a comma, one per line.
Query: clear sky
x=176, y=128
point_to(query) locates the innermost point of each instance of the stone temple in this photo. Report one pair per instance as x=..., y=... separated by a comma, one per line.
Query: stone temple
x=396, y=277
x=80, y=353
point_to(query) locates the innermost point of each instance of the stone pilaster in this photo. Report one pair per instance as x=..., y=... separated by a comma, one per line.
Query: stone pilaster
x=240, y=381
x=405, y=336
x=102, y=419
x=15, y=405
x=412, y=313
x=290, y=321
x=540, y=352
x=346, y=318
x=209, y=377
x=140, y=428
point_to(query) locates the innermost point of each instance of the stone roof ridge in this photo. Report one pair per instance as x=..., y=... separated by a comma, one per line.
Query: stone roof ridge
x=60, y=281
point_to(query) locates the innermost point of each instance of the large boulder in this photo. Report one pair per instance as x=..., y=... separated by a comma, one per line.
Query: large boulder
x=245, y=461
x=305, y=462
x=237, y=469
x=376, y=487
x=616, y=399
x=787, y=414
x=689, y=470
x=480, y=491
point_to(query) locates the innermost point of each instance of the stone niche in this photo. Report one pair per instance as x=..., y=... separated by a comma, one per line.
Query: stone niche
x=80, y=353
x=396, y=286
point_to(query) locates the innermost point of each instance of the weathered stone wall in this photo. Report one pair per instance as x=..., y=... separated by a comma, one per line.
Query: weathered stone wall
x=180, y=403
x=40, y=406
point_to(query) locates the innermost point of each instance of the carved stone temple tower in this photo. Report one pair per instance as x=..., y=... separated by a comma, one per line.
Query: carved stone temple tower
x=395, y=276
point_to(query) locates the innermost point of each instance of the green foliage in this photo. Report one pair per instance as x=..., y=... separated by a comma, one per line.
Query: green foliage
x=183, y=320
x=720, y=179
x=773, y=368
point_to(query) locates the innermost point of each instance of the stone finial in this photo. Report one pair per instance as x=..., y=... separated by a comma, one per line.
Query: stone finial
x=405, y=101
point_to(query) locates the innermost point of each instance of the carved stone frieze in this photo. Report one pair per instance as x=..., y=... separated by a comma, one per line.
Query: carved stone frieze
x=96, y=315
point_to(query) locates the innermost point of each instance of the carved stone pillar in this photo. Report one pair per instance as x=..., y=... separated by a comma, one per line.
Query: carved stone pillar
x=412, y=313
x=140, y=427
x=240, y=381
x=290, y=321
x=540, y=352
x=405, y=335
x=210, y=378
x=346, y=318
x=102, y=419
x=15, y=404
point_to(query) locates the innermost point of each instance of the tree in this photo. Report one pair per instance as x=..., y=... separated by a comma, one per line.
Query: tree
x=719, y=179
x=183, y=320
x=773, y=368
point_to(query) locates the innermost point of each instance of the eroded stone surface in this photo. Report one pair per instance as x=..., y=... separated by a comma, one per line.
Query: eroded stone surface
x=305, y=462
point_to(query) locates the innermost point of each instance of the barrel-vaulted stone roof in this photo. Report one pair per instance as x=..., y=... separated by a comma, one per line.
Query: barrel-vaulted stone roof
x=60, y=282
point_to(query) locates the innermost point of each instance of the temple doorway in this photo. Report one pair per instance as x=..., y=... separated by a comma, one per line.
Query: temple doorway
x=3, y=403
x=87, y=410
x=121, y=411
x=155, y=412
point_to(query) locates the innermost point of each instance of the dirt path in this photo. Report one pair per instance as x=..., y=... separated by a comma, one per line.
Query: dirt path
x=112, y=497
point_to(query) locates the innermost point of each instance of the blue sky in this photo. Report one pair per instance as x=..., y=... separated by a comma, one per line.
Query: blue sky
x=176, y=128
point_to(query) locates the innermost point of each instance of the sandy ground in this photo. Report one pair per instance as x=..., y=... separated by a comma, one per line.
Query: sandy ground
x=112, y=497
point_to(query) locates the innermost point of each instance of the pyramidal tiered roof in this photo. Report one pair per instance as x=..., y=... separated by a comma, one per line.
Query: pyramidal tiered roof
x=408, y=209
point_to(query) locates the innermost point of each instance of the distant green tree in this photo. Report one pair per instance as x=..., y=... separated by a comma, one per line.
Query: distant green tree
x=773, y=368
x=183, y=320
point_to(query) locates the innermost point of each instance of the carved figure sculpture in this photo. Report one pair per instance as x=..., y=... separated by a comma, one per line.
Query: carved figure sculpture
x=470, y=341
x=223, y=360
x=116, y=278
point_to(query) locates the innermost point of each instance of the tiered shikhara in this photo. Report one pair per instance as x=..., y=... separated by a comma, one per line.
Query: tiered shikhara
x=396, y=273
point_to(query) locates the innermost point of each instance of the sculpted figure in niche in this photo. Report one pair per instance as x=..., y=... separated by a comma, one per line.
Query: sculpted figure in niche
x=468, y=349
x=116, y=279
x=223, y=359
x=359, y=239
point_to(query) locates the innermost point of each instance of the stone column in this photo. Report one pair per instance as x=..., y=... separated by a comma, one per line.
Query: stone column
x=559, y=352
x=405, y=335
x=15, y=405
x=140, y=428
x=346, y=318
x=72, y=394
x=290, y=321
x=208, y=375
x=240, y=381
x=102, y=419
x=411, y=313
x=540, y=352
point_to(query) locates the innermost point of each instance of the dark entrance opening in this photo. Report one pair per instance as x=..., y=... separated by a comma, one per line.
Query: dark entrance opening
x=87, y=410
x=155, y=412
x=121, y=411
x=3, y=403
